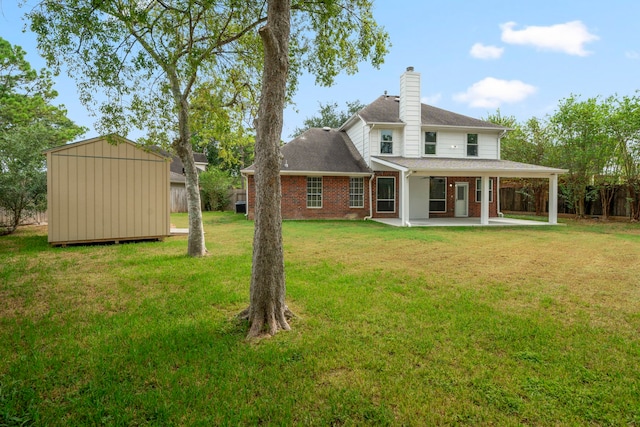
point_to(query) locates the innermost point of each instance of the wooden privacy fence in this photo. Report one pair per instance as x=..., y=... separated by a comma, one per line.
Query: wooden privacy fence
x=514, y=199
x=179, y=198
x=35, y=218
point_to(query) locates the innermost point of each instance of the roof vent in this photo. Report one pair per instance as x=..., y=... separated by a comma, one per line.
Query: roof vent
x=326, y=128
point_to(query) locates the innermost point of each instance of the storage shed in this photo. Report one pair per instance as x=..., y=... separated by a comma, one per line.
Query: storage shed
x=99, y=191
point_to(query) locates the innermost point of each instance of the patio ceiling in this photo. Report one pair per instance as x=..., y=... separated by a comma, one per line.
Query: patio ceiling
x=433, y=166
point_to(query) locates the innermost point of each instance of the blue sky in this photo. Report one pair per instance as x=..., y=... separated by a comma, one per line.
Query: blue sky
x=474, y=57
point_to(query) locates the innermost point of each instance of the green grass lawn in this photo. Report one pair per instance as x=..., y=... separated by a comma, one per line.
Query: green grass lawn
x=395, y=326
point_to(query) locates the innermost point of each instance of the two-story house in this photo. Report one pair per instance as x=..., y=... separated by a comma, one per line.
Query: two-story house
x=399, y=158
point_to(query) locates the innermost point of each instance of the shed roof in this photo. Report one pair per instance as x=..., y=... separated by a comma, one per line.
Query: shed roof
x=320, y=150
x=115, y=139
x=386, y=109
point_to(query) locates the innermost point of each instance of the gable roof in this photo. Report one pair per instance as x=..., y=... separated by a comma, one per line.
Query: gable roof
x=386, y=109
x=113, y=140
x=327, y=151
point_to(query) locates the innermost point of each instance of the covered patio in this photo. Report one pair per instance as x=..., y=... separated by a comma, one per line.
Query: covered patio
x=461, y=222
x=485, y=169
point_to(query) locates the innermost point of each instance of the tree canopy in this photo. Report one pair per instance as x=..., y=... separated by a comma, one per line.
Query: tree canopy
x=329, y=115
x=149, y=59
x=29, y=123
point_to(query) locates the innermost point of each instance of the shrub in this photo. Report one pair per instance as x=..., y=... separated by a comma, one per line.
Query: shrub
x=214, y=188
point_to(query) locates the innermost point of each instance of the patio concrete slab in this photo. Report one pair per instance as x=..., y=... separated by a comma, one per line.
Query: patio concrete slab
x=461, y=222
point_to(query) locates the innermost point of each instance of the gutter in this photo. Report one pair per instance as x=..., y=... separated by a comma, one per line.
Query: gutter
x=370, y=198
x=246, y=194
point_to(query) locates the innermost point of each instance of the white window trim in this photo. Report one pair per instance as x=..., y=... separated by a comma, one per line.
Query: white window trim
x=321, y=191
x=435, y=144
x=380, y=142
x=477, y=145
x=438, y=200
x=479, y=190
x=394, y=194
x=358, y=194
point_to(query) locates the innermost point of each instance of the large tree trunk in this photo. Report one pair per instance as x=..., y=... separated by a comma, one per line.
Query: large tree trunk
x=196, y=245
x=267, y=312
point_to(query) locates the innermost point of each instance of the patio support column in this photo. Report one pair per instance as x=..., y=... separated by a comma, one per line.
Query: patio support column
x=404, y=201
x=484, y=203
x=553, y=199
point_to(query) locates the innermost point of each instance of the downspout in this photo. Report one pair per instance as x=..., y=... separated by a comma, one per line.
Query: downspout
x=246, y=195
x=497, y=196
x=370, y=197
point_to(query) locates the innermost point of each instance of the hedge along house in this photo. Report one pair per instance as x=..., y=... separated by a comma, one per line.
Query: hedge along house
x=402, y=160
x=99, y=191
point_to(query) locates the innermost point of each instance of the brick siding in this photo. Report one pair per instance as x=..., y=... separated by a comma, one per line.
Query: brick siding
x=335, y=198
x=474, y=207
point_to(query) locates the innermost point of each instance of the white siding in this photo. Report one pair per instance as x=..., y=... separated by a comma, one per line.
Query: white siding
x=410, y=113
x=376, y=137
x=356, y=135
x=488, y=146
x=453, y=144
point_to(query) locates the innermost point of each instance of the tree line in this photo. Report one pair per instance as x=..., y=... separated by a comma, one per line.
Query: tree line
x=597, y=139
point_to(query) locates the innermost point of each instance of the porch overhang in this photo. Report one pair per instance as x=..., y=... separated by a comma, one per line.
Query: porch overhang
x=482, y=168
x=432, y=166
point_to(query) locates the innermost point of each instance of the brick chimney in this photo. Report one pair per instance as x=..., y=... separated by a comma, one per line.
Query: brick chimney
x=411, y=112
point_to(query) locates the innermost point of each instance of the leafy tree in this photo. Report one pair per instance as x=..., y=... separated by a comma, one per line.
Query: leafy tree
x=528, y=143
x=584, y=147
x=623, y=125
x=214, y=186
x=148, y=57
x=28, y=125
x=145, y=53
x=223, y=126
x=345, y=33
x=329, y=116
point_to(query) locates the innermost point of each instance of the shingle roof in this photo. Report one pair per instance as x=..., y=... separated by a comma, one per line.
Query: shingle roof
x=321, y=150
x=176, y=163
x=386, y=109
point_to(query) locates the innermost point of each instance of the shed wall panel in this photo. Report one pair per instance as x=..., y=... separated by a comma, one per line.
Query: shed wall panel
x=99, y=205
x=98, y=191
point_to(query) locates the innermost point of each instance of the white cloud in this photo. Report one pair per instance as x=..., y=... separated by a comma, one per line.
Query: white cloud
x=491, y=93
x=632, y=54
x=569, y=38
x=481, y=51
x=431, y=99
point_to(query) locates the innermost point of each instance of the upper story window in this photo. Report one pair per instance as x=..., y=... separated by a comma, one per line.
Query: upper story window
x=472, y=144
x=314, y=191
x=430, y=139
x=386, y=141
